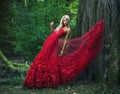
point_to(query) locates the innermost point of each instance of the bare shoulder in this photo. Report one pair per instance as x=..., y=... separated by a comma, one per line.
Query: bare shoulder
x=67, y=30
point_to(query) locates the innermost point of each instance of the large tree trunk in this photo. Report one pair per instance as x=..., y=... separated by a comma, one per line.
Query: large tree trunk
x=107, y=65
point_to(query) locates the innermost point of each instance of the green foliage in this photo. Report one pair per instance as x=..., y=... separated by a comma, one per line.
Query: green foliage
x=5, y=26
x=73, y=8
x=12, y=81
x=31, y=22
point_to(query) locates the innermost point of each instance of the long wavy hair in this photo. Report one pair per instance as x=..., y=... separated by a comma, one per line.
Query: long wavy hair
x=61, y=22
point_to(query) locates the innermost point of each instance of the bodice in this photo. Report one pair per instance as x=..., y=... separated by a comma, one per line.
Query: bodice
x=59, y=33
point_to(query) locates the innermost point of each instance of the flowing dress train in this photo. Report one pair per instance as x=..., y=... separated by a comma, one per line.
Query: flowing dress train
x=50, y=70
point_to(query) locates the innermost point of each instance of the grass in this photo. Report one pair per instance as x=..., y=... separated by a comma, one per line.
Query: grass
x=14, y=86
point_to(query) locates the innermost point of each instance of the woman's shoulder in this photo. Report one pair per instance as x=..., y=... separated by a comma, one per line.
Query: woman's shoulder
x=67, y=29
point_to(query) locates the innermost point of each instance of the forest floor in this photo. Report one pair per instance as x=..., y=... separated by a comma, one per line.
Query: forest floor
x=70, y=88
x=13, y=85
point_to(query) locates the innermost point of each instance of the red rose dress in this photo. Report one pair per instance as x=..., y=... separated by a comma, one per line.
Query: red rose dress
x=50, y=70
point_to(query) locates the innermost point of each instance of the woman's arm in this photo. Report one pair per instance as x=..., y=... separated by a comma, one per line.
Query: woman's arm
x=65, y=42
x=51, y=27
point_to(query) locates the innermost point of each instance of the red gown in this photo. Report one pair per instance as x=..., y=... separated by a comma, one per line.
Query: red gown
x=50, y=70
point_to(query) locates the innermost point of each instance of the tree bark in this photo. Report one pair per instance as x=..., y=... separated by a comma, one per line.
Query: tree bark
x=107, y=65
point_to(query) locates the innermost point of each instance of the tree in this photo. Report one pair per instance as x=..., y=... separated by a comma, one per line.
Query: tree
x=107, y=66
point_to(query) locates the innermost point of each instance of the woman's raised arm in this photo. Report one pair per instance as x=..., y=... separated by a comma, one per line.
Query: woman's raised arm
x=51, y=27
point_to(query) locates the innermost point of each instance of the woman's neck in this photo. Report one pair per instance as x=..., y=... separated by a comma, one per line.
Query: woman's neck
x=65, y=26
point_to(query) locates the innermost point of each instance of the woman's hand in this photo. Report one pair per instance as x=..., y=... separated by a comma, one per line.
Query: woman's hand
x=51, y=27
x=52, y=23
x=61, y=53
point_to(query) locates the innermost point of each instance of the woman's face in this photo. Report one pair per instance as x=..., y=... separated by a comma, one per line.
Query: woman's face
x=65, y=21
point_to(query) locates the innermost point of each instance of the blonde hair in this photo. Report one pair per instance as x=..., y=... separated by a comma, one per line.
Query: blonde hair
x=61, y=22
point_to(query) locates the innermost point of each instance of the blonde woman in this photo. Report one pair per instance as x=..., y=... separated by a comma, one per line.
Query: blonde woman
x=56, y=63
x=64, y=23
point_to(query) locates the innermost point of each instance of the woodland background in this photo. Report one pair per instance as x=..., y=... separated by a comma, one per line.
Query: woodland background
x=24, y=25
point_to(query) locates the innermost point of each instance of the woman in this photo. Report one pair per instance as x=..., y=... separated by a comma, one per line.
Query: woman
x=64, y=23
x=62, y=60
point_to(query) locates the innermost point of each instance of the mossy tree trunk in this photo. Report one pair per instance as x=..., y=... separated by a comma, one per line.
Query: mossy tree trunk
x=11, y=69
x=106, y=67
